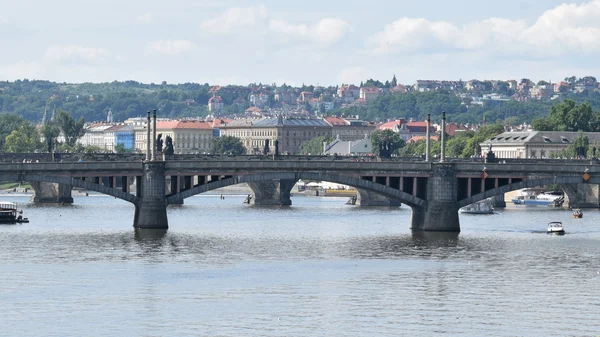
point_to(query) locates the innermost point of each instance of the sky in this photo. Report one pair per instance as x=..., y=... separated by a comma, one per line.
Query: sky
x=318, y=42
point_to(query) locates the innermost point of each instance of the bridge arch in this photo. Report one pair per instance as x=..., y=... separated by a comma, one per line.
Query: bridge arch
x=386, y=191
x=75, y=182
x=556, y=180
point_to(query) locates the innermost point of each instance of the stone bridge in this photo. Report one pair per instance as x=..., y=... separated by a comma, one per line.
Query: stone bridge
x=434, y=191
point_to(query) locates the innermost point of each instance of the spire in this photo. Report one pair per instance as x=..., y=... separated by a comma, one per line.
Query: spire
x=109, y=116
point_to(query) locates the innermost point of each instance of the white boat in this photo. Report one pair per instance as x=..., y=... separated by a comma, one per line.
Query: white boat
x=529, y=196
x=555, y=227
x=480, y=207
x=10, y=214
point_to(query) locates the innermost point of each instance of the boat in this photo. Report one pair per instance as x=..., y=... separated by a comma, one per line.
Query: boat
x=10, y=214
x=351, y=201
x=480, y=207
x=555, y=227
x=529, y=196
x=577, y=213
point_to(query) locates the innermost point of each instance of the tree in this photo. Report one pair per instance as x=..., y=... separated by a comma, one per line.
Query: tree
x=394, y=81
x=569, y=116
x=315, y=145
x=24, y=139
x=385, y=142
x=8, y=123
x=50, y=131
x=120, y=148
x=227, y=145
x=72, y=129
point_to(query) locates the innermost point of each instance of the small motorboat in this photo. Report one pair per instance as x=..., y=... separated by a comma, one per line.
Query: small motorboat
x=555, y=227
x=577, y=214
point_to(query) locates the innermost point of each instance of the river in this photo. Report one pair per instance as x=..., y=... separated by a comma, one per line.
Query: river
x=318, y=268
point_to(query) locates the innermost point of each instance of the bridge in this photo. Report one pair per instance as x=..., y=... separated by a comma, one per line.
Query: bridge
x=433, y=190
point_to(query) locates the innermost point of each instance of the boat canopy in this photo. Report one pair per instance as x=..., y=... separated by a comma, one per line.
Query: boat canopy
x=8, y=205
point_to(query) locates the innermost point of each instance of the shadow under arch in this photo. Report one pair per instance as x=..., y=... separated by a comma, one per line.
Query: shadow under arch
x=75, y=182
x=556, y=180
x=355, y=182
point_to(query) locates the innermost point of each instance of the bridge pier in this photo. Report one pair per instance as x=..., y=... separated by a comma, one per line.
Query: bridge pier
x=272, y=192
x=498, y=201
x=151, y=210
x=583, y=195
x=441, y=212
x=51, y=193
x=369, y=198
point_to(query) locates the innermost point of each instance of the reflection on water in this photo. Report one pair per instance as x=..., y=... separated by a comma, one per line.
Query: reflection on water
x=317, y=268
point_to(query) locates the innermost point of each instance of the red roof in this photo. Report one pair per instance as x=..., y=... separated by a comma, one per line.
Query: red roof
x=415, y=139
x=196, y=125
x=390, y=125
x=333, y=120
x=215, y=99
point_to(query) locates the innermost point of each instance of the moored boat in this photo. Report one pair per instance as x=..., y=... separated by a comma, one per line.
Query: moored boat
x=480, y=207
x=10, y=214
x=555, y=227
x=529, y=196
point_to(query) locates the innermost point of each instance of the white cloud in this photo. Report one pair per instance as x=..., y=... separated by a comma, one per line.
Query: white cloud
x=170, y=47
x=256, y=19
x=75, y=53
x=563, y=29
x=236, y=19
x=22, y=70
x=145, y=18
x=325, y=32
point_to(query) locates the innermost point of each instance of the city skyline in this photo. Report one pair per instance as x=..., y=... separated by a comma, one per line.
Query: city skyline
x=241, y=42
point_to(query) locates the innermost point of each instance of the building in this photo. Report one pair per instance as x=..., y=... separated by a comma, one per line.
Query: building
x=188, y=136
x=349, y=129
x=369, y=93
x=126, y=137
x=289, y=132
x=534, y=144
x=215, y=103
x=407, y=130
x=94, y=136
x=348, y=147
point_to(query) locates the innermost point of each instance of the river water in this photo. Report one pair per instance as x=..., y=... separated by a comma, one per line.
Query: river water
x=319, y=268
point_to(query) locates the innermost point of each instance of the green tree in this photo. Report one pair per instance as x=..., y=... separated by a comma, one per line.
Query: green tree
x=315, y=145
x=484, y=133
x=569, y=116
x=580, y=146
x=50, y=131
x=72, y=129
x=227, y=145
x=120, y=148
x=8, y=123
x=384, y=143
x=394, y=81
x=24, y=139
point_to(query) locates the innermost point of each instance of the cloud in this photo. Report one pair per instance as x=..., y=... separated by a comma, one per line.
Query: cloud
x=170, y=47
x=325, y=32
x=564, y=29
x=145, y=18
x=256, y=19
x=22, y=70
x=75, y=53
x=235, y=19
